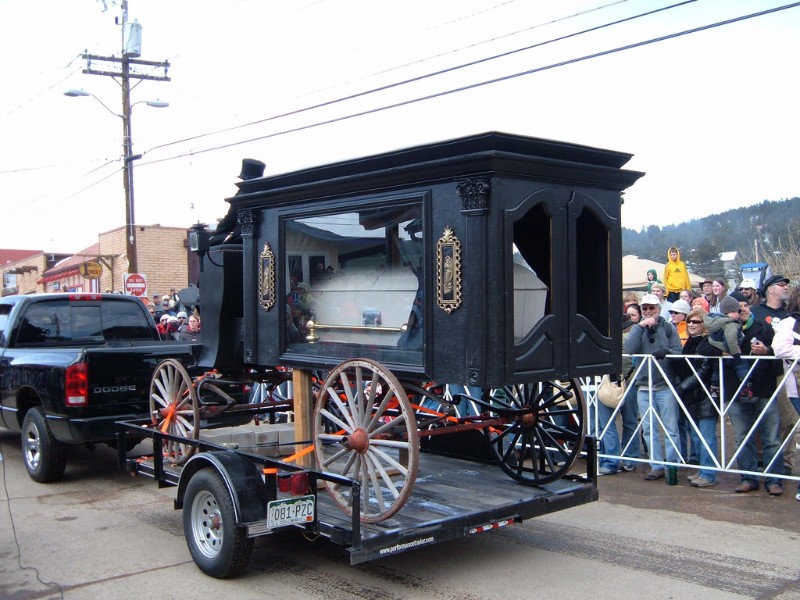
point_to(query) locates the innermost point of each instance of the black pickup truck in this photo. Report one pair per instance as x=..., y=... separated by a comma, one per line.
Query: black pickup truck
x=71, y=366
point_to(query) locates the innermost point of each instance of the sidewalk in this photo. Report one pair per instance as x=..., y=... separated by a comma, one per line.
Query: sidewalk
x=718, y=503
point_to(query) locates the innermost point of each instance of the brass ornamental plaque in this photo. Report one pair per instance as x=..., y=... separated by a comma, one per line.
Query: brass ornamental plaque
x=448, y=271
x=266, y=277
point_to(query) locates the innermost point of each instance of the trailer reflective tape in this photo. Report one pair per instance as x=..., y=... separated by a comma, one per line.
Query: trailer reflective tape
x=490, y=526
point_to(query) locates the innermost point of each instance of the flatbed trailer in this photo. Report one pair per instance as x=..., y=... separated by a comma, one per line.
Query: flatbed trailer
x=434, y=308
x=453, y=498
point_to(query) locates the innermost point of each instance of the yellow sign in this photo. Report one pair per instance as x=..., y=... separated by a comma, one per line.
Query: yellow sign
x=91, y=269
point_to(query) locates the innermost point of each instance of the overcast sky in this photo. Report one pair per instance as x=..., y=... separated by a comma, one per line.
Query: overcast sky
x=711, y=117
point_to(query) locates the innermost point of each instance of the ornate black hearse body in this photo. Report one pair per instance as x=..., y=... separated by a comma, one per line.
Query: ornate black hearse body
x=507, y=248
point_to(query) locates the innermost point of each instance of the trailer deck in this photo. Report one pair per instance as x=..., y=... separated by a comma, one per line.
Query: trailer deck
x=452, y=498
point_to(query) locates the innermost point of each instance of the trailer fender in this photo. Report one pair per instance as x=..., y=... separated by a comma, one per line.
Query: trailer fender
x=242, y=478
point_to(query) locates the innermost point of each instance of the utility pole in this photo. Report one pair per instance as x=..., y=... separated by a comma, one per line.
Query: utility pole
x=129, y=67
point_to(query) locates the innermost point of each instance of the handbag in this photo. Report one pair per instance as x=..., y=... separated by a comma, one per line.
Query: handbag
x=610, y=393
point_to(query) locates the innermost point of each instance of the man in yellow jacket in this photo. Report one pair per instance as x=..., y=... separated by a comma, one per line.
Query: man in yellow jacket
x=676, y=276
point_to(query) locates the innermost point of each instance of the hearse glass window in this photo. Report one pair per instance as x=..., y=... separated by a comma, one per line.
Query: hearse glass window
x=531, y=256
x=357, y=277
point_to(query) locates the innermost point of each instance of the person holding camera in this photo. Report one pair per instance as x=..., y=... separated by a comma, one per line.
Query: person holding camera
x=656, y=336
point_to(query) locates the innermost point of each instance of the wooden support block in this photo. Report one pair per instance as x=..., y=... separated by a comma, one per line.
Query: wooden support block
x=303, y=414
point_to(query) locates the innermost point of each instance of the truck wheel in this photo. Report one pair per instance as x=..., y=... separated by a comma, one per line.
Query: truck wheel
x=219, y=548
x=45, y=456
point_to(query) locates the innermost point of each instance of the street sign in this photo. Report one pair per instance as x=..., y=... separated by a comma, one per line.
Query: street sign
x=91, y=269
x=135, y=284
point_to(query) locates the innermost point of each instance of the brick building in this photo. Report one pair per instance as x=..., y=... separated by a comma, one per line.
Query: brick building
x=163, y=258
x=23, y=268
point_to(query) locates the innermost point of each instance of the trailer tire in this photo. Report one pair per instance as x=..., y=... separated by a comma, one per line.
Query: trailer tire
x=219, y=547
x=45, y=456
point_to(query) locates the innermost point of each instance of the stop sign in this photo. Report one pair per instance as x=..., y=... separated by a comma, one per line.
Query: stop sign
x=135, y=284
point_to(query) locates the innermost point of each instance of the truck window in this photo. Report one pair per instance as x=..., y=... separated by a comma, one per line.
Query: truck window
x=5, y=310
x=81, y=321
x=124, y=321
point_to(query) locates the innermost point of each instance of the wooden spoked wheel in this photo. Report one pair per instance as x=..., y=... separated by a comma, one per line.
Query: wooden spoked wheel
x=365, y=430
x=174, y=408
x=544, y=431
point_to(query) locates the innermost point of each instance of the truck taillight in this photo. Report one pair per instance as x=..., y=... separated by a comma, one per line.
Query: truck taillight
x=77, y=384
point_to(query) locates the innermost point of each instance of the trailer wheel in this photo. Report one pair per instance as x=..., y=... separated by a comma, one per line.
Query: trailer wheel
x=218, y=546
x=365, y=430
x=544, y=433
x=174, y=408
x=45, y=456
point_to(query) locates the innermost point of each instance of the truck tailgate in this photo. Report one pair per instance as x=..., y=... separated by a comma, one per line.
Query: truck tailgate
x=119, y=376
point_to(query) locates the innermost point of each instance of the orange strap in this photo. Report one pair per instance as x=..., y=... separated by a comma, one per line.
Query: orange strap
x=292, y=458
x=300, y=454
x=168, y=419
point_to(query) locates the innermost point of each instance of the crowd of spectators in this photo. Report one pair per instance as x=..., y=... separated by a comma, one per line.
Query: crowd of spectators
x=174, y=321
x=686, y=331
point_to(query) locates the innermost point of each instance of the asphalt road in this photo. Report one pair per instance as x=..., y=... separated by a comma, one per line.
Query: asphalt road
x=101, y=533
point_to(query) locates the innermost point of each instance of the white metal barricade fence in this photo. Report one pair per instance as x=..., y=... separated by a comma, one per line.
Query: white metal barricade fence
x=726, y=458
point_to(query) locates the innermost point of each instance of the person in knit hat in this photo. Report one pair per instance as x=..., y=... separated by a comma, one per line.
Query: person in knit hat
x=700, y=302
x=725, y=333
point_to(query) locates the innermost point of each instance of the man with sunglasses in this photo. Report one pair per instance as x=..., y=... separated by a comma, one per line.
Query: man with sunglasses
x=656, y=336
x=748, y=289
x=773, y=307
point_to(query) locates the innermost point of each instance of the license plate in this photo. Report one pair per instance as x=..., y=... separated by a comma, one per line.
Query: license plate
x=290, y=511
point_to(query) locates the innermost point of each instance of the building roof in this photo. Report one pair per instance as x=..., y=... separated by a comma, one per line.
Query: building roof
x=68, y=267
x=10, y=256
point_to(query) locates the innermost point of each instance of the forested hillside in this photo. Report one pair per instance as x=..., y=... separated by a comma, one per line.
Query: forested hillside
x=775, y=225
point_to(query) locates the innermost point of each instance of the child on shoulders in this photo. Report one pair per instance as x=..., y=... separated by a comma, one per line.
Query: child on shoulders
x=725, y=333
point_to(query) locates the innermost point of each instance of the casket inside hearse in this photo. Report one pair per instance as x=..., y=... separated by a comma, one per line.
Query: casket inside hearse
x=485, y=260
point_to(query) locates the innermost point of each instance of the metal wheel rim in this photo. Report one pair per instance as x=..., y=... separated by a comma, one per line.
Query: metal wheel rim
x=385, y=468
x=174, y=408
x=33, y=447
x=206, y=521
x=543, y=447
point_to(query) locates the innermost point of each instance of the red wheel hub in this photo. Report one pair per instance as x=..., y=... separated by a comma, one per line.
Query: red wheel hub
x=358, y=441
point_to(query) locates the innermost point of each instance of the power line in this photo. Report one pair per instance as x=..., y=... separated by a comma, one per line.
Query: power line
x=420, y=77
x=474, y=85
x=42, y=92
x=59, y=166
x=62, y=200
x=470, y=46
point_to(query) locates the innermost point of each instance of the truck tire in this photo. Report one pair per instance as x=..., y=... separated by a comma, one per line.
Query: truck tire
x=45, y=456
x=218, y=546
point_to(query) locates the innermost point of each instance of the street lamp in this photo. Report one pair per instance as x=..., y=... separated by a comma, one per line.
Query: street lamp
x=127, y=170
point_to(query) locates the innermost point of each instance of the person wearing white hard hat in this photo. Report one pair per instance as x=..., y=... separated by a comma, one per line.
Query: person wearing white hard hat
x=677, y=313
x=749, y=291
